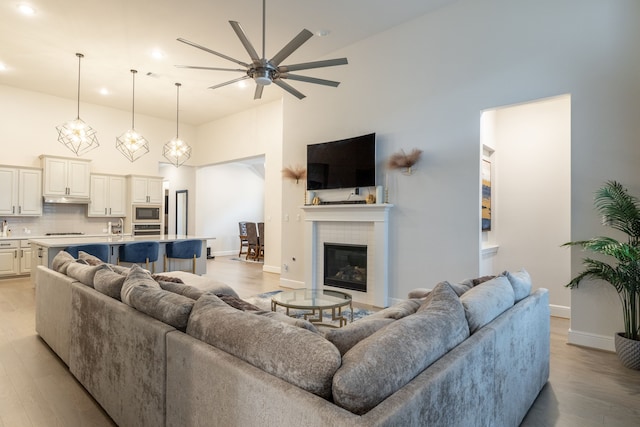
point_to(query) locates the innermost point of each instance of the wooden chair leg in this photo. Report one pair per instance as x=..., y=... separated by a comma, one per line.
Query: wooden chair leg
x=193, y=269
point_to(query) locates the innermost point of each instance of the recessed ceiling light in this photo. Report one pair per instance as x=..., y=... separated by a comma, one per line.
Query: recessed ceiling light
x=242, y=84
x=26, y=9
x=323, y=33
x=104, y=91
x=3, y=67
x=157, y=54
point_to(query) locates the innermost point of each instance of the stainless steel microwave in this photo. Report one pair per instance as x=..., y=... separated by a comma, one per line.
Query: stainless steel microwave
x=148, y=214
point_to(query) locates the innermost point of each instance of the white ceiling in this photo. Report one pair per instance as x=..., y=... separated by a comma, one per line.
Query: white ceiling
x=116, y=36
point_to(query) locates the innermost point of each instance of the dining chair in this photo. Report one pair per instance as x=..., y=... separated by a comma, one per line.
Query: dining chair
x=242, y=229
x=252, y=240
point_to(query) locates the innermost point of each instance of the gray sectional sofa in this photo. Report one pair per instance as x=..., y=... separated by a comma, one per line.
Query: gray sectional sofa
x=465, y=354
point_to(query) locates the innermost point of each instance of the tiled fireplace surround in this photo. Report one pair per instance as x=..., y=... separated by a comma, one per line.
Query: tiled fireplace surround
x=350, y=224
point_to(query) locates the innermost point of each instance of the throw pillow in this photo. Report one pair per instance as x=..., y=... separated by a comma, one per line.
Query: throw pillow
x=181, y=289
x=238, y=303
x=382, y=363
x=89, y=259
x=418, y=293
x=137, y=277
x=521, y=283
x=399, y=310
x=84, y=273
x=163, y=278
x=293, y=354
x=348, y=336
x=281, y=317
x=61, y=261
x=487, y=301
x=109, y=282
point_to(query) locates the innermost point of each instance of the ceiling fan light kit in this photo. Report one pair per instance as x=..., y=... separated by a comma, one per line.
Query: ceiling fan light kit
x=132, y=144
x=266, y=71
x=75, y=134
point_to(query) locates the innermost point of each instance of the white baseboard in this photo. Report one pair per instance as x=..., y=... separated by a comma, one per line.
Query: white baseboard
x=560, y=311
x=586, y=339
x=224, y=253
x=293, y=284
x=271, y=269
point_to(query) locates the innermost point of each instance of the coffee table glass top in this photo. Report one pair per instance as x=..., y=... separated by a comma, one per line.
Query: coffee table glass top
x=315, y=301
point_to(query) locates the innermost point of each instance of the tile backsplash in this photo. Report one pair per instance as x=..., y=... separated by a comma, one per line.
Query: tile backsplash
x=57, y=218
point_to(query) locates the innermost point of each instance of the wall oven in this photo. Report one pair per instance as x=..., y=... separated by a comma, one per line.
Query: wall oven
x=146, y=229
x=148, y=214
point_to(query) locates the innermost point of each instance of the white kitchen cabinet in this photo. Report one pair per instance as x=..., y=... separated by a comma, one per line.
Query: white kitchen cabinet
x=9, y=263
x=20, y=191
x=145, y=189
x=66, y=177
x=25, y=257
x=108, y=196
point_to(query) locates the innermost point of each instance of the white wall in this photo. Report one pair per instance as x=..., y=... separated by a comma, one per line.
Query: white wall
x=234, y=192
x=532, y=201
x=423, y=84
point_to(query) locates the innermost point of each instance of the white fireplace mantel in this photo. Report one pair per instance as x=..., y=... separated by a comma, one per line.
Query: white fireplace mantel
x=377, y=217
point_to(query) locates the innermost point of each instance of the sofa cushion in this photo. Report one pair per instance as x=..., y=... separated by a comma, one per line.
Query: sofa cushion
x=83, y=273
x=418, y=293
x=141, y=292
x=281, y=317
x=293, y=354
x=348, y=336
x=487, y=301
x=163, y=278
x=384, y=362
x=477, y=281
x=61, y=261
x=521, y=283
x=181, y=289
x=109, y=282
x=399, y=310
x=203, y=283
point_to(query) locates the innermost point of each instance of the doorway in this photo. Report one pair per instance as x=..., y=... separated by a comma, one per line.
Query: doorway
x=528, y=148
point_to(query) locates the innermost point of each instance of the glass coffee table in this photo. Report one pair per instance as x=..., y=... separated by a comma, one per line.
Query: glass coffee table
x=315, y=302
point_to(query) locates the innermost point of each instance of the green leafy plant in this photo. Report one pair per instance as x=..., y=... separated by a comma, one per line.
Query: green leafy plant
x=620, y=211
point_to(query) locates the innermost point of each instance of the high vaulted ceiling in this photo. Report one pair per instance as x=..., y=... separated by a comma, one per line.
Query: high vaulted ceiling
x=115, y=36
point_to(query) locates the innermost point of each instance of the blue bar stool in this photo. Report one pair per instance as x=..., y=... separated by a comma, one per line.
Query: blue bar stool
x=138, y=252
x=185, y=249
x=99, y=250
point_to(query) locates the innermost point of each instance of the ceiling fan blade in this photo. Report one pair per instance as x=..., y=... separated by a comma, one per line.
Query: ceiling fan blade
x=245, y=41
x=221, y=55
x=258, y=93
x=210, y=68
x=289, y=88
x=294, y=44
x=229, y=82
x=310, y=80
x=315, y=64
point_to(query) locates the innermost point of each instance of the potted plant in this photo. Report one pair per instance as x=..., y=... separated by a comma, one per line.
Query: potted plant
x=621, y=269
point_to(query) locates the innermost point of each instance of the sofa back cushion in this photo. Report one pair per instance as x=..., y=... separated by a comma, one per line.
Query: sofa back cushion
x=84, y=273
x=351, y=334
x=485, y=302
x=141, y=292
x=296, y=355
x=61, y=262
x=109, y=282
x=384, y=362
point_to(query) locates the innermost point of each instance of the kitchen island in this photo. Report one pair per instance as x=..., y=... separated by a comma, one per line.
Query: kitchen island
x=44, y=249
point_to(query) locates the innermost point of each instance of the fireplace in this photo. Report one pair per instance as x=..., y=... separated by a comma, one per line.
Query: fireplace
x=345, y=266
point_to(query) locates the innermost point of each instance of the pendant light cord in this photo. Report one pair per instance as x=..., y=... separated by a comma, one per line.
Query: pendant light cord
x=177, y=108
x=133, y=100
x=80, y=56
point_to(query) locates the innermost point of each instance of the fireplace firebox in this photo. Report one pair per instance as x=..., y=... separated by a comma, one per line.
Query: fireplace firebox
x=345, y=266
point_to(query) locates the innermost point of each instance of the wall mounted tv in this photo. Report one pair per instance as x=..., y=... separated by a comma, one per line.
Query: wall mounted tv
x=347, y=163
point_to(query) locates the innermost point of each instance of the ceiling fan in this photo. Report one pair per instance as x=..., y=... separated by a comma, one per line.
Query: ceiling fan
x=266, y=71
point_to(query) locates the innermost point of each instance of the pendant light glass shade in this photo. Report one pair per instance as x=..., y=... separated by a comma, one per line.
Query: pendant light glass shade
x=75, y=134
x=131, y=144
x=177, y=151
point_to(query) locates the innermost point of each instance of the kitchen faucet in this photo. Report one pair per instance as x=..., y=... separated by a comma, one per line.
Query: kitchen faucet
x=121, y=220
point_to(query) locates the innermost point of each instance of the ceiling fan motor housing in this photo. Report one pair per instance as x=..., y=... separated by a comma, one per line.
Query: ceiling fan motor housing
x=262, y=74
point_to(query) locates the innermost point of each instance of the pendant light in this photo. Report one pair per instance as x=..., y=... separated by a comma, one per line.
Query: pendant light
x=75, y=134
x=177, y=151
x=131, y=144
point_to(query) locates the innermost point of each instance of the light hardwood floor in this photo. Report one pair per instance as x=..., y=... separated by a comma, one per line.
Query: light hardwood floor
x=587, y=387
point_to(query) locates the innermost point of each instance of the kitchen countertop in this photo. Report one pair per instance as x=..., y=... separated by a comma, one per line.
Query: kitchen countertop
x=61, y=241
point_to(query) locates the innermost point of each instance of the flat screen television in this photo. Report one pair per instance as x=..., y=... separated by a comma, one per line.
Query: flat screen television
x=347, y=163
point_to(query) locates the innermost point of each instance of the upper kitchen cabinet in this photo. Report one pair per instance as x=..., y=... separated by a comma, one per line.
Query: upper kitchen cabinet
x=66, y=177
x=145, y=189
x=20, y=191
x=108, y=196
